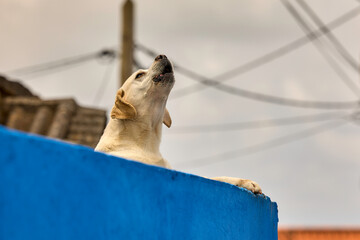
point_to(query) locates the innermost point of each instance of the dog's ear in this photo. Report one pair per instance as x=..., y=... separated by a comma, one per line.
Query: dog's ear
x=167, y=118
x=122, y=109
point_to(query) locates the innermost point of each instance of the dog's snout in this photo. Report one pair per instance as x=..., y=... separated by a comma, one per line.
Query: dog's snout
x=159, y=57
x=162, y=69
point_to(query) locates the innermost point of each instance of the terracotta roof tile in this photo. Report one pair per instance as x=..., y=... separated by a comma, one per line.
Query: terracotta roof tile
x=319, y=234
x=13, y=88
x=60, y=118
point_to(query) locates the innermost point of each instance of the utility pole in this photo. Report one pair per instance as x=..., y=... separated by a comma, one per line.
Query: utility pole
x=126, y=55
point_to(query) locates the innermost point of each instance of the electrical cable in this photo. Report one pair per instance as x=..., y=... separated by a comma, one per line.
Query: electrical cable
x=228, y=155
x=105, y=81
x=278, y=100
x=61, y=63
x=333, y=64
x=260, y=61
x=224, y=127
x=338, y=46
x=264, y=97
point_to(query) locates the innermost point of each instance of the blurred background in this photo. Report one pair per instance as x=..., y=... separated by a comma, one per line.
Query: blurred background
x=265, y=90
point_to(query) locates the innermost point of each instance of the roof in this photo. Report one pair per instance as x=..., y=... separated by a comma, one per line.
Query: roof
x=319, y=234
x=59, y=118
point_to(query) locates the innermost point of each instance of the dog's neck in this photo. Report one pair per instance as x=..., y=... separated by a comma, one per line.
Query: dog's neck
x=133, y=136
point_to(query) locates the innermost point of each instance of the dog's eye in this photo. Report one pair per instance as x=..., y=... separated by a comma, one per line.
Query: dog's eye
x=139, y=75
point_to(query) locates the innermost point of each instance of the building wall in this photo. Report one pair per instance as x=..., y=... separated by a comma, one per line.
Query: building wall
x=54, y=190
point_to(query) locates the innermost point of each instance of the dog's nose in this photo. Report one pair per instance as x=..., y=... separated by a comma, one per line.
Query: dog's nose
x=160, y=57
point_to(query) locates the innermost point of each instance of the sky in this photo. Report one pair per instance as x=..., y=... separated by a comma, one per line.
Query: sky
x=315, y=180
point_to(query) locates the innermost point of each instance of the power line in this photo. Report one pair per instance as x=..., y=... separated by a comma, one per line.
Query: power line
x=338, y=46
x=36, y=75
x=52, y=64
x=228, y=155
x=257, y=124
x=105, y=81
x=333, y=64
x=263, y=97
x=61, y=63
x=263, y=59
x=355, y=117
x=277, y=100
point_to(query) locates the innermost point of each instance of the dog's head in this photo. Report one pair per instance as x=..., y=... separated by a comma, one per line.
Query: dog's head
x=144, y=94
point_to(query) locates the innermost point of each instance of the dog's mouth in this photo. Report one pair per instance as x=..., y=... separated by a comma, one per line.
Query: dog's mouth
x=166, y=73
x=162, y=76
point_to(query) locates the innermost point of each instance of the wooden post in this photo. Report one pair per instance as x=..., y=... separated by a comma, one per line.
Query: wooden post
x=126, y=54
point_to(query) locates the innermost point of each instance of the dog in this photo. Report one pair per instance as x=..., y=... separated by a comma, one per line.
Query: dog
x=135, y=127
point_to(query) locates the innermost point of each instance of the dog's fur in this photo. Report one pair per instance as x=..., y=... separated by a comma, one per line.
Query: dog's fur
x=134, y=130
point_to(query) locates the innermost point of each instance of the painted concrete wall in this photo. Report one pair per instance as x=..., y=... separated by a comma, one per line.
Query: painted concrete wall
x=54, y=190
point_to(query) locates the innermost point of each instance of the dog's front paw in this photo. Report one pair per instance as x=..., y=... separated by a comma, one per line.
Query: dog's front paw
x=250, y=185
x=244, y=183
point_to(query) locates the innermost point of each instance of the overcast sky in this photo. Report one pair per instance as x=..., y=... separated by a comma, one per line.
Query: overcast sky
x=315, y=180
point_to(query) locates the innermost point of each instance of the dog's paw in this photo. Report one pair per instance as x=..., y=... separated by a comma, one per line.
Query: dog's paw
x=244, y=183
x=250, y=185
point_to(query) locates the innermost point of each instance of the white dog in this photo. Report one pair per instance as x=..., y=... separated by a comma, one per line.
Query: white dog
x=134, y=130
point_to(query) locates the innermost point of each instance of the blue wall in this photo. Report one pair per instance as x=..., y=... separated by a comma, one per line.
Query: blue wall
x=55, y=190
